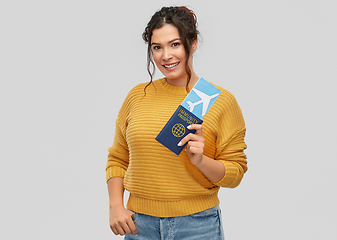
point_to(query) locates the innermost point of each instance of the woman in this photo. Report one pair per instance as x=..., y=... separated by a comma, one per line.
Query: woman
x=172, y=197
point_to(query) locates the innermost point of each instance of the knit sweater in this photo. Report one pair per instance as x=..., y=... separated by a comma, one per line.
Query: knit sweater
x=161, y=183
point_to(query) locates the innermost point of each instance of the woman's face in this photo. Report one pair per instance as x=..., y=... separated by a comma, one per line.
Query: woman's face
x=169, y=54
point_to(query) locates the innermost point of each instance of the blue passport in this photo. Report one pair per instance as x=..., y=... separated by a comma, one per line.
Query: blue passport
x=191, y=111
x=176, y=129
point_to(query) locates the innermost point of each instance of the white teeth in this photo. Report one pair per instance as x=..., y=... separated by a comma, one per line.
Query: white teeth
x=172, y=65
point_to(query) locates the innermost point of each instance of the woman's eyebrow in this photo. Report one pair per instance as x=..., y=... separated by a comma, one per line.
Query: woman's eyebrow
x=174, y=40
x=168, y=42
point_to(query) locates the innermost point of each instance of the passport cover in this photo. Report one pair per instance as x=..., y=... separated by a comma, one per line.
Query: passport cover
x=191, y=111
x=176, y=129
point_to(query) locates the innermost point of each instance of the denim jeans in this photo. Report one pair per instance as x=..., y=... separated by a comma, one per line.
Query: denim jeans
x=199, y=226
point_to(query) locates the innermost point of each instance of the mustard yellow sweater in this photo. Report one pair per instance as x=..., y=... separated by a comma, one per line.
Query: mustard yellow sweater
x=161, y=183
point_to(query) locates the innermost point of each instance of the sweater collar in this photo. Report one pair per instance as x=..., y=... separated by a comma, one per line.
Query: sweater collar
x=173, y=89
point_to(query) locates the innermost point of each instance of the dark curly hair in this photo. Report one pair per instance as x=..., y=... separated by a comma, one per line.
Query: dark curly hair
x=185, y=21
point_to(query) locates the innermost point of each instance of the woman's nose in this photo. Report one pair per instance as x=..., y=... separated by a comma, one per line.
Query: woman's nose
x=166, y=55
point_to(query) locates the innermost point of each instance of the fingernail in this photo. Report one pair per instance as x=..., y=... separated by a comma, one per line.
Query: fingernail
x=189, y=126
x=179, y=144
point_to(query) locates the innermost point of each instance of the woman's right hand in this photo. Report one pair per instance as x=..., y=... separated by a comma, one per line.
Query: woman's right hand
x=121, y=221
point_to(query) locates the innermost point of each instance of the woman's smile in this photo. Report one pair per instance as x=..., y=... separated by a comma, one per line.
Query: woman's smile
x=171, y=67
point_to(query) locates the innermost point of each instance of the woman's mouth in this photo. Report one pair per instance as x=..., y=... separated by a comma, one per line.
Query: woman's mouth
x=169, y=66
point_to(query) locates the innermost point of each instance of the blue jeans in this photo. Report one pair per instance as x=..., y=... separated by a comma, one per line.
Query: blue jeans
x=203, y=225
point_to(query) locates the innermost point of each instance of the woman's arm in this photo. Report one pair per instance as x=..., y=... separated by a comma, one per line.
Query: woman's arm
x=214, y=170
x=120, y=218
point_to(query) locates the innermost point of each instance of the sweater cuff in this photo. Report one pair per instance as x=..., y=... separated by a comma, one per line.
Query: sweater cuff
x=114, y=172
x=232, y=176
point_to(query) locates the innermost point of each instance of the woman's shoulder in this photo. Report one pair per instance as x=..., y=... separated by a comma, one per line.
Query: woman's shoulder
x=225, y=95
x=227, y=108
x=141, y=87
x=140, y=90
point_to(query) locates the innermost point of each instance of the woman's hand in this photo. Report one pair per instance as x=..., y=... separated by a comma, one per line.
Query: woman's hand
x=214, y=170
x=195, y=144
x=120, y=218
x=121, y=221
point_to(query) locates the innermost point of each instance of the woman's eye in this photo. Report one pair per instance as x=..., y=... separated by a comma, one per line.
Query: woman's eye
x=175, y=44
x=156, y=47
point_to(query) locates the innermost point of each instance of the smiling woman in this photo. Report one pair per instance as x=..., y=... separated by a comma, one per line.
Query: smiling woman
x=172, y=196
x=170, y=56
x=176, y=27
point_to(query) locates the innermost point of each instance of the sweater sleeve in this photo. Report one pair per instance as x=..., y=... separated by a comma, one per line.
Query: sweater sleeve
x=118, y=156
x=230, y=143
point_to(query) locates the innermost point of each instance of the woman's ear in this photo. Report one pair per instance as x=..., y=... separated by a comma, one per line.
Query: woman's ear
x=194, y=45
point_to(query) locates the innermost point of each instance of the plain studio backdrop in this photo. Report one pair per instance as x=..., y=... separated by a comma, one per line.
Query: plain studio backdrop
x=67, y=65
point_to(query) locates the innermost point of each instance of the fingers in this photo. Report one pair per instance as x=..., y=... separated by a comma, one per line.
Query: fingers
x=132, y=227
x=195, y=147
x=118, y=230
x=121, y=228
x=197, y=136
x=197, y=127
x=124, y=225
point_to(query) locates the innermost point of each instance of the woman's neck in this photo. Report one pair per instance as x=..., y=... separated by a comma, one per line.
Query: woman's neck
x=182, y=82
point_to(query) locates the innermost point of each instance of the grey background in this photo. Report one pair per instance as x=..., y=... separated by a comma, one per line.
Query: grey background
x=66, y=67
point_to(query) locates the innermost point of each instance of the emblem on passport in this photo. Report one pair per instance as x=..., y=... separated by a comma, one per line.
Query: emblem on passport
x=191, y=111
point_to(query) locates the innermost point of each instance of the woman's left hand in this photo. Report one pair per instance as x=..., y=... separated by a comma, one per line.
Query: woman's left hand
x=195, y=144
